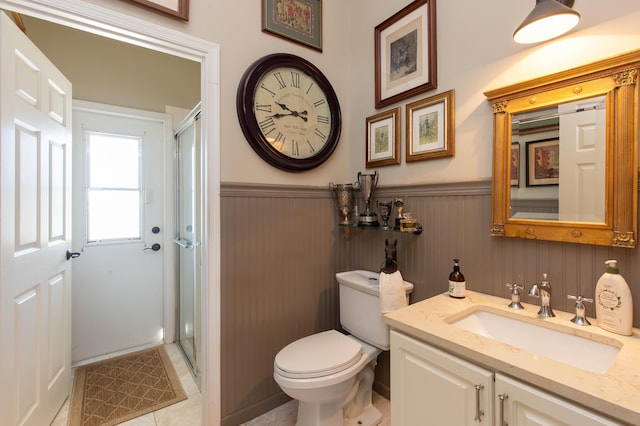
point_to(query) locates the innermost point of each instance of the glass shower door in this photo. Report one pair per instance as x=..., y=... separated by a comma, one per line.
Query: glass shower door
x=187, y=240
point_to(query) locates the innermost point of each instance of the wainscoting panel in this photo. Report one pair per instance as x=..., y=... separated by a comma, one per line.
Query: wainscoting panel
x=277, y=285
x=281, y=248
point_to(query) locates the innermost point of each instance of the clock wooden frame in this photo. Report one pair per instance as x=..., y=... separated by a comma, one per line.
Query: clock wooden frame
x=245, y=102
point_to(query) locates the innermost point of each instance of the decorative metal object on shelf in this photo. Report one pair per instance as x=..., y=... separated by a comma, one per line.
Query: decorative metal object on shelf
x=399, y=202
x=368, y=183
x=385, y=208
x=343, y=194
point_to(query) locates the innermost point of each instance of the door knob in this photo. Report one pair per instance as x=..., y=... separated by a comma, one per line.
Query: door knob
x=154, y=247
x=72, y=254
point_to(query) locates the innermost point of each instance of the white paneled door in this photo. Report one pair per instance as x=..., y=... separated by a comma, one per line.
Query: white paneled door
x=583, y=156
x=35, y=230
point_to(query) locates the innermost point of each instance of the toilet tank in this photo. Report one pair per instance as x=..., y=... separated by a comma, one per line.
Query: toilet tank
x=360, y=306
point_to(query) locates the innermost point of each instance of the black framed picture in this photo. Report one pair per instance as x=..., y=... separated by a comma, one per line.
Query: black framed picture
x=405, y=53
x=543, y=162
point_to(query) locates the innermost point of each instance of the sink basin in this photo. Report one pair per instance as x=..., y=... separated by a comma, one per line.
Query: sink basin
x=581, y=352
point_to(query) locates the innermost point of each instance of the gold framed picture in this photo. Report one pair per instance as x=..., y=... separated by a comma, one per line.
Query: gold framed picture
x=430, y=127
x=383, y=138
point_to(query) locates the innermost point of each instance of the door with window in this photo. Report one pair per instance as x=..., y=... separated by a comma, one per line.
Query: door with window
x=119, y=225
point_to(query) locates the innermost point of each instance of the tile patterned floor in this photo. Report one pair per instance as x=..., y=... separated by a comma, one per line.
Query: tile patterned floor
x=188, y=412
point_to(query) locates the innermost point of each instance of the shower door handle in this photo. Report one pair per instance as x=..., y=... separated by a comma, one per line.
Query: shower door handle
x=186, y=243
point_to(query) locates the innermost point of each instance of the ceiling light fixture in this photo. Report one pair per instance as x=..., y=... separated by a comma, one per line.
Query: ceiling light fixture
x=547, y=20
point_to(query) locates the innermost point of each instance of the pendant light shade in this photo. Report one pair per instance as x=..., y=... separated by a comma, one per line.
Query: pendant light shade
x=547, y=20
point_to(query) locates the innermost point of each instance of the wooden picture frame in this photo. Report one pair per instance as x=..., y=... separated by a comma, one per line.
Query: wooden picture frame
x=543, y=162
x=177, y=8
x=514, y=171
x=299, y=21
x=383, y=139
x=430, y=125
x=405, y=53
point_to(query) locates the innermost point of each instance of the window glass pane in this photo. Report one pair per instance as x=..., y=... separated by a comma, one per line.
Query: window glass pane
x=113, y=214
x=114, y=161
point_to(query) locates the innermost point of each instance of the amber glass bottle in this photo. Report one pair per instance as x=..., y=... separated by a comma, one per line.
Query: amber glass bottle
x=457, y=283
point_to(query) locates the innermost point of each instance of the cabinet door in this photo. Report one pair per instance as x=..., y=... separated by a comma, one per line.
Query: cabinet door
x=432, y=387
x=528, y=406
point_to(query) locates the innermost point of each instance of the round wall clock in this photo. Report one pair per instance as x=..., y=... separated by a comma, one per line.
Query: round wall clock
x=288, y=112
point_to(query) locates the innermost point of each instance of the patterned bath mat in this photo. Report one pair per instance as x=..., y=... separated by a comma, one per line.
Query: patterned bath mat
x=118, y=389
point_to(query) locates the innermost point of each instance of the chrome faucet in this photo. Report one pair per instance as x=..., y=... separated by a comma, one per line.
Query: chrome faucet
x=543, y=291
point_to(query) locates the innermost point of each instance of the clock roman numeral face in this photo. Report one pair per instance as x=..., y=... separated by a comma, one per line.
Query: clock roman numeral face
x=288, y=112
x=292, y=112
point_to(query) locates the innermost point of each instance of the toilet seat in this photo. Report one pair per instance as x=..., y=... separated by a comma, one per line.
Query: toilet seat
x=318, y=355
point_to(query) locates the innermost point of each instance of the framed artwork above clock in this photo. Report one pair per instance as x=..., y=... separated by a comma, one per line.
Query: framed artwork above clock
x=299, y=21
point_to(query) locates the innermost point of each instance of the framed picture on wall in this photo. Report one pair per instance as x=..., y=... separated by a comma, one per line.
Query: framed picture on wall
x=299, y=21
x=543, y=162
x=430, y=127
x=514, y=170
x=383, y=138
x=177, y=8
x=405, y=53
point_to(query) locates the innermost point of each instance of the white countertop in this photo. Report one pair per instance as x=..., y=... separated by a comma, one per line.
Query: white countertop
x=615, y=393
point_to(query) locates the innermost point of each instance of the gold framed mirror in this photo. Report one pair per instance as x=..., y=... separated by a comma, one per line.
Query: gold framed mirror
x=565, y=155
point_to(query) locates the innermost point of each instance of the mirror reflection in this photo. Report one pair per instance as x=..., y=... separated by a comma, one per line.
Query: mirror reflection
x=558, y=162
x=565, y=155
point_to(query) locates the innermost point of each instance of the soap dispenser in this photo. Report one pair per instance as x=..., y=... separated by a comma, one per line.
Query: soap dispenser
x=457, y=283
x=614, y=306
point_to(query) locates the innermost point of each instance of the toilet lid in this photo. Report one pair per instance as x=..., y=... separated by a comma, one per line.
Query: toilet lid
x=318, y=355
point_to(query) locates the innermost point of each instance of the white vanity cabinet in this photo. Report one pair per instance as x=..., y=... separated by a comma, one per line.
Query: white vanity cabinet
x=432, y=387
x=520, y=404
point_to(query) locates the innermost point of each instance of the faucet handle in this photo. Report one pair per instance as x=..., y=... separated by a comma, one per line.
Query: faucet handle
x=515, y=295
x=580, y=317
x=579, y=298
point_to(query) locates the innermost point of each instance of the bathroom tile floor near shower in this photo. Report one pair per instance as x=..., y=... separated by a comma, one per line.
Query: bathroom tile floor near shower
x=188, y=412
x=285, y=415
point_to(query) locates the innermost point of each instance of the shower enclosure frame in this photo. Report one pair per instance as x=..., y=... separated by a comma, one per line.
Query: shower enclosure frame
x=188, y=236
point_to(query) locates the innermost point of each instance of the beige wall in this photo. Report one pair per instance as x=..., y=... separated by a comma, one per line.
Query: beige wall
x=475, y=54
x=111, y=72
x=236, y=27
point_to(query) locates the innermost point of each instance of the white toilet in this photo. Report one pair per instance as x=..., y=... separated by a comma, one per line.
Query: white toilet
x=330, y=373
